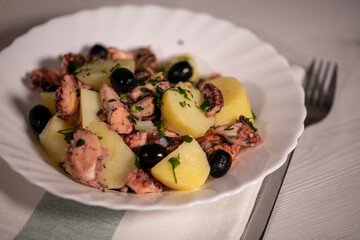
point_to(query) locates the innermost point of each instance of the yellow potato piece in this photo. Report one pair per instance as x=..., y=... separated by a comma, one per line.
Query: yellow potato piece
x=98, y=72
x=180, y=114
x=121, y=159
x=236, y=101
x=90, y=104
x=52, y=141
x=192, y=171
x=48, y=98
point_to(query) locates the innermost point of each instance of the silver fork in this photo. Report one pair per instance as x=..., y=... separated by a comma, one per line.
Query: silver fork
x=319, y=87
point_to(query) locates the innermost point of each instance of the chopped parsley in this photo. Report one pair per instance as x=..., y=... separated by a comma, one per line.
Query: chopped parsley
x=100, y=137
x=204, y=105
x=68, y=134
x=183, y=92
x=88, y=74
x=83, y=70
x=187, y=138
x=73, y=66
x=159, y=93
x=115, y=67
x=183, y=104
x=80, y=142
x=103, y=70
x=247, y=121
x=99, y=112
x=112, y=100
x=160, y=128
x=132, y=118
x=123, y=96
x=145, y=90
x=253, y=115
x=156, y=75
x=141, y=69
x=140, y=81
x=153, y=82
x=134, y=108
x=137, y=162
x=175, y=161
x=229, y=128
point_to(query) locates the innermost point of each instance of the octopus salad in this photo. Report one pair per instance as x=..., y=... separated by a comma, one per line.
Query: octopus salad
x=123, y=120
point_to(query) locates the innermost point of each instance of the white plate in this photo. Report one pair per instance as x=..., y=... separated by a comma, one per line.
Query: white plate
x=217, y=45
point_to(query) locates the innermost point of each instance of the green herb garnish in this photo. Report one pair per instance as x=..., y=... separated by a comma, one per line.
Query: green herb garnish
x=253, y=115
x=68, y=134
x=132, y=118
x=204, y=105
x=115, y=67
x=229, y=128
x=153, y=82
x=103, y=70
x=99, y=112
x=137, y=162
x=100, y=137
x=112, y=100
x=136, y=108
x=159, y=93
x=156, y=75
x=73, y=66
x=123, y=96
x=160, y=128
x=145, y=90
x=187, y=138
x=247, y=121
x=182, y=104
x=175, y=161
x=140, y=81
x=183, y=92
x=80, y=142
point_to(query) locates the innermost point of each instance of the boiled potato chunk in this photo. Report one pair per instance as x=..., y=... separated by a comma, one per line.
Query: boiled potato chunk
x=236, y=101
x=185, y=57
x=192, y=171
x=121, y=159
x=48, y=98
x=54, y=142
x=98, y=72
x=90, y=104
x=180, y=113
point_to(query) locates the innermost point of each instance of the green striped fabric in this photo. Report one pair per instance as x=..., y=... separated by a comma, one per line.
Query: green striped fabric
x=57, y=218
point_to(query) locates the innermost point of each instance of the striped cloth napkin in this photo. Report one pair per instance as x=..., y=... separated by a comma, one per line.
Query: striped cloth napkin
x=29, y=212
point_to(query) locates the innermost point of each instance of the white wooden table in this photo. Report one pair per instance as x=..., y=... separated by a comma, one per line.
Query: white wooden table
x=320, y=196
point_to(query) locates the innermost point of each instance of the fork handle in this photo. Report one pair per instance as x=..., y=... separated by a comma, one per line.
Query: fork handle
x=265, y=202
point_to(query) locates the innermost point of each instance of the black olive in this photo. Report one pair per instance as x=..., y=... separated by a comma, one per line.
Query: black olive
x=180, y=71
x=39, y=116
x=220, y=163
x=150, y=154
x=122, y=80
x=98, y=50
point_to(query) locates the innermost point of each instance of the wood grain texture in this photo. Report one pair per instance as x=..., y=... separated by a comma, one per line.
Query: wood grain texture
x=320, y=195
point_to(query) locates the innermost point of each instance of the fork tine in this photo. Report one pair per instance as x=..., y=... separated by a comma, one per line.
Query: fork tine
x=328, y=101
x=322, y=85
x=314, y=85
x=309, y=76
